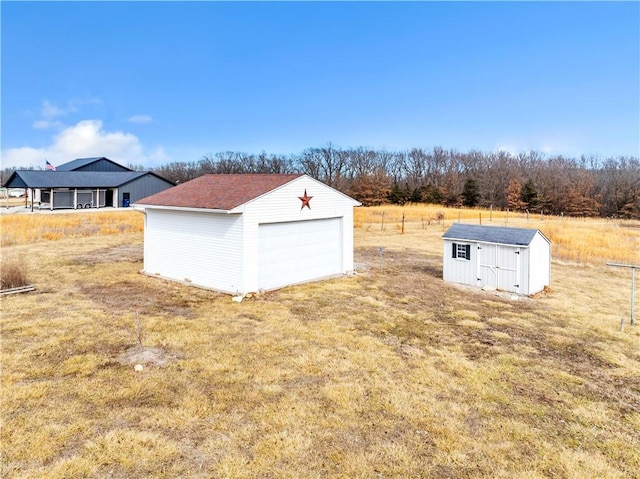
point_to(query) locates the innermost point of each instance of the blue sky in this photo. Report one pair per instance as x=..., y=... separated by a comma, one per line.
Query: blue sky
x=153, y=82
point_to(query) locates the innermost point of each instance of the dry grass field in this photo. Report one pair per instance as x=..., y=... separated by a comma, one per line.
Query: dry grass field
x=389, y=373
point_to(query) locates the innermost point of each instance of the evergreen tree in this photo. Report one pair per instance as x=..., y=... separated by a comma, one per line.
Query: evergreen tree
x=396, y=195
x=433, y=195
x=416, y=195
x=530, y=196
x=470, y=195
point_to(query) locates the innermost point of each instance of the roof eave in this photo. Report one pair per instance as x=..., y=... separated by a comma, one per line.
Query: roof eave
x=185, y=208
x=485, y=241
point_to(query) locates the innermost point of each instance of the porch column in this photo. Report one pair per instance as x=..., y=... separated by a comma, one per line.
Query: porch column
x=75, y=199
x=51, y=203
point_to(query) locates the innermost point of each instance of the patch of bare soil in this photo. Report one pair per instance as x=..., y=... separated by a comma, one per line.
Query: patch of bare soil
x=147, y=296
x=146, y=357
x=130, y=253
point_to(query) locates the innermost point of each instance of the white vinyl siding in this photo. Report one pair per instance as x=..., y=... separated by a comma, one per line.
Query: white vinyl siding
x=282, y=205
x=299, y=251
x=516, y=269
x=266, y=243
x=508, y=266
x=492, y=265
x=459, y=270
x=540, y=274
x=200, y=248
x=487, y=272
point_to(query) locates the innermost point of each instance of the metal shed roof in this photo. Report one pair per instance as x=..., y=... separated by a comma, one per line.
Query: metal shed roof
x=71, y=179
x=80, y=162
x=492, y=234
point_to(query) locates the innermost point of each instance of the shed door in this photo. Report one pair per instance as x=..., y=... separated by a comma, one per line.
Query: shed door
x=509, y=268
x=499, y=267
x=487, y=265
x=298, y=251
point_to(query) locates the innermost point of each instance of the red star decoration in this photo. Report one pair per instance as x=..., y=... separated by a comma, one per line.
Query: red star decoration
x=305, y=200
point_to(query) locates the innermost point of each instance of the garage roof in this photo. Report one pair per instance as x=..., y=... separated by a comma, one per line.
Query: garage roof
x=492, y=234
x=218, y=192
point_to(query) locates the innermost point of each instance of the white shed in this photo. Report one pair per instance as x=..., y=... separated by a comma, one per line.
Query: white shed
x=509, y=259
x=243, y=233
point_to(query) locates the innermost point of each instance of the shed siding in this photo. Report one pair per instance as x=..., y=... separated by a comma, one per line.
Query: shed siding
x=509, y=272
x=202, y=248
x=525, y=270
x=519, y=269
x=458, y=270
x=540, y=272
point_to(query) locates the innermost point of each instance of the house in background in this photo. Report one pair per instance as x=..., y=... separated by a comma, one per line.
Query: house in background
x=86, y=183
x=517, y=260
x=244, y=233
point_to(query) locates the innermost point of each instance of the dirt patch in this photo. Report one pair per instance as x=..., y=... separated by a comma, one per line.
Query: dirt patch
x=142, y=358
x=146, y=297
x=131, y=253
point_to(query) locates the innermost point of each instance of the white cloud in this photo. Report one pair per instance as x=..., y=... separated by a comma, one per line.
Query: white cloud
x=87, y=138
x=46, y=124
x=140, y=119
x=50, y=112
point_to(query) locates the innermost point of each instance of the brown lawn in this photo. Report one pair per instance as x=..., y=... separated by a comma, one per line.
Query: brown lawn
x=388, y=373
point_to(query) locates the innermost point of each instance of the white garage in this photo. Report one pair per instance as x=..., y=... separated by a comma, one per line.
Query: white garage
x=244, y=233
x=517, y=260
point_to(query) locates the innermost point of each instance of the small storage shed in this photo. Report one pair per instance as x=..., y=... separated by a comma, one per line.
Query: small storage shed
x=243, y=233
x=517, y=260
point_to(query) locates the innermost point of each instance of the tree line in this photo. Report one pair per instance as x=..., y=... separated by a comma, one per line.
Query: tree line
x=531, y=181
x=527, y=181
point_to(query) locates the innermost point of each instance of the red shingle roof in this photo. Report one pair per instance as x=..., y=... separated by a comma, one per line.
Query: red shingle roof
x=218, y=192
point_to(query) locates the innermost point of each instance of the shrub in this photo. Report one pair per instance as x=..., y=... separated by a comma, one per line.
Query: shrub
x=13, y=273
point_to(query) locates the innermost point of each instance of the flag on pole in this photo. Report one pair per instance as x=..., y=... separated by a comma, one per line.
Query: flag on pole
x=49, y=166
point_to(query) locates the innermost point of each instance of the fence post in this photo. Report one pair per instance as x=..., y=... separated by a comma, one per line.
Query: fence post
x=633, y=285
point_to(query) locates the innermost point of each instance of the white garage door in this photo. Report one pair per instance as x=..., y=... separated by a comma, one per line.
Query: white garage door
x=299, y=251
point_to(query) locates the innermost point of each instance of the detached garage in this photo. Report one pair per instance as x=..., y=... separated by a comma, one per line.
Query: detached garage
x=517, y=260
x=243, y=233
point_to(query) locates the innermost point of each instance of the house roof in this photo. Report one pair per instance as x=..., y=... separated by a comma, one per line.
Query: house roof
x=492, y=234
x=80, y=162
x=218, y=192
x=72, y=179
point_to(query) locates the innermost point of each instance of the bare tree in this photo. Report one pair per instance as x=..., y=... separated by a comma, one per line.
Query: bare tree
x=584, y=186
